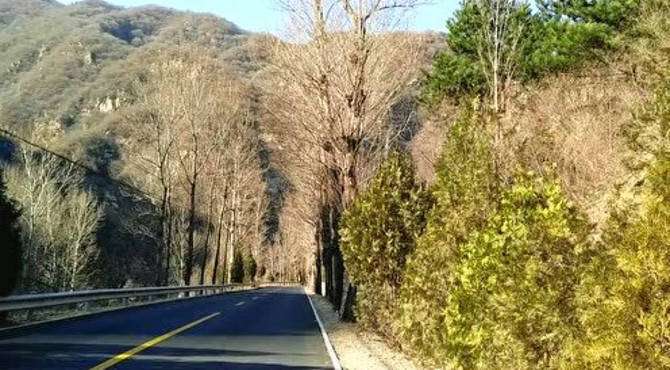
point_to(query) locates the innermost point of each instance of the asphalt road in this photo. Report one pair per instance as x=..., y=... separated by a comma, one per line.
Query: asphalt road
x=270, y=328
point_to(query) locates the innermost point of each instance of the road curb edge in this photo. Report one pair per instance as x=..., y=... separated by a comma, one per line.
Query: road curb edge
x=329, y=346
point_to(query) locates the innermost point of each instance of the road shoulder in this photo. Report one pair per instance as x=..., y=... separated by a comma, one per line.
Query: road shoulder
x=356, y=348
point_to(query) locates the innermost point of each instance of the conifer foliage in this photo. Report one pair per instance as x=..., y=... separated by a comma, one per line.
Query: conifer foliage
x=465, y=197
x=511, y=299
x=624, y=293
x=237, y=270
x=250, y=268
x=378, y=231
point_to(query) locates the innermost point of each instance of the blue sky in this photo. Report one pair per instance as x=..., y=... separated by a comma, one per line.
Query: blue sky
x=263, y=16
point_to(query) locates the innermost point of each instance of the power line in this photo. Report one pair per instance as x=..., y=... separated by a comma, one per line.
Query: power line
x=10, y=135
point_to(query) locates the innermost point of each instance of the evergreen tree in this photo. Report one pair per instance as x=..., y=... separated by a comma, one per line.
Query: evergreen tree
x=237, y=270
x=378, y=231
x=562, y=35
x=10, y=245
x=464, y=69
x=250, y=268
x=465, y=196
x=611, y=13
x=511, y=294
x=624, y=297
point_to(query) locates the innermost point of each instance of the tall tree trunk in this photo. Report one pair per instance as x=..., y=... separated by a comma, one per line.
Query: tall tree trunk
x=346, y=289
x=219, y=235
x=318, y=253
x=162, y=247
x=231, y=233
x=168, y=240
x=210, y=209
x=191, y=233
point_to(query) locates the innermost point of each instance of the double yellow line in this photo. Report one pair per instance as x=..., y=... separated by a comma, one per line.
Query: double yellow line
x=126, y=355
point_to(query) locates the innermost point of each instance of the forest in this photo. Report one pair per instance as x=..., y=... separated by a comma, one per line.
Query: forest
x=496, y=196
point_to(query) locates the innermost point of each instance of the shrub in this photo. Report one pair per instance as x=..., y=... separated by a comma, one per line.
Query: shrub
x=511, y=298
x=378, y=231
x=624, y=295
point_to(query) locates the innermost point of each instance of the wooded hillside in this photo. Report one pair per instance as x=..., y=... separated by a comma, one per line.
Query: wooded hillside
x=494, y=197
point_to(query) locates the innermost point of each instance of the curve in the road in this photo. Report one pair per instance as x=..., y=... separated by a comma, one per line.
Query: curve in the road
x=269, y=328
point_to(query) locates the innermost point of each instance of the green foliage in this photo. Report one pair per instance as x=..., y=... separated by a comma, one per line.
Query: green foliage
x=556, y=45
x=563, y=35
x=492, y=282
x=10, y=249
x=378, y=231
x=250, y=268
x=611, y=13
x=460, y=71
x=465, y=197
x=624, y=295
x=237, y=269
x=511, y=297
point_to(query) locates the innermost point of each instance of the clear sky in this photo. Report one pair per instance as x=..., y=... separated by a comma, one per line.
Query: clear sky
x=263, y=15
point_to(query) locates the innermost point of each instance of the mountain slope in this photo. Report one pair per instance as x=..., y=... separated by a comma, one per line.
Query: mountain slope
x=62, y=62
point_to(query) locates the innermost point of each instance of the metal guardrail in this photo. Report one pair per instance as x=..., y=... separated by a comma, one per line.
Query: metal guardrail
x=36, y=301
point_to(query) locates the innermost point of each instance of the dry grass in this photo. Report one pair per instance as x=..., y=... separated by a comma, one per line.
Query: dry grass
x=571, y=122
x=574, y=123
x=426, y=144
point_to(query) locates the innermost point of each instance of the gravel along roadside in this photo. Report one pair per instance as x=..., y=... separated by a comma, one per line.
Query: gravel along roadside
x=356, y=348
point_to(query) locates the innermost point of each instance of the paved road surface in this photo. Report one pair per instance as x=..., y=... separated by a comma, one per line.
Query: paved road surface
x=270, y=328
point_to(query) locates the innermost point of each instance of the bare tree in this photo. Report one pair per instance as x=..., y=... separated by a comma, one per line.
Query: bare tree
x=83, y=217
x=58, y=222
x=152, y=122
x=339, y=74
x=185, y=135
x=501, y=27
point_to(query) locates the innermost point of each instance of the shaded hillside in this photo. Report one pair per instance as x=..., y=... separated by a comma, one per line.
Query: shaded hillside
x=72, y=71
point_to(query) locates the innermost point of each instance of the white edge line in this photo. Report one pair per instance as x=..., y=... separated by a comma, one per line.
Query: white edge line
x=329, y=346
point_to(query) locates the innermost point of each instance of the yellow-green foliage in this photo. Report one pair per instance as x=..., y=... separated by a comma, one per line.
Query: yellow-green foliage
x=378, y=231
x=464, y=195
x=510, y=303
x=625, y=292
x=492, y=282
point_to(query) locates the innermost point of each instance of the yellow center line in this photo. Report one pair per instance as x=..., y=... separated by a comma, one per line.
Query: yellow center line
x=126, y=355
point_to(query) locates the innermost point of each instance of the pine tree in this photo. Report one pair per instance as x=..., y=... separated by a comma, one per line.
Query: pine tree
x=378, y=231
x=560, y=36
x=10, y=247
x=611, y=13
x=485, y=40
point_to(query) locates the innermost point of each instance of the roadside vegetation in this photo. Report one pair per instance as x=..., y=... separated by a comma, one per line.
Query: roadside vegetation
x=494, y=198
x=538, y=253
